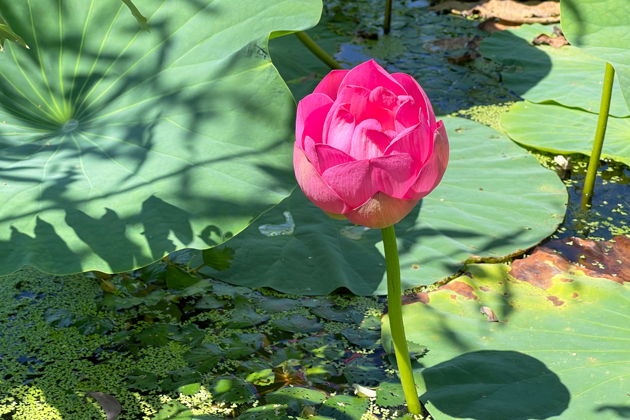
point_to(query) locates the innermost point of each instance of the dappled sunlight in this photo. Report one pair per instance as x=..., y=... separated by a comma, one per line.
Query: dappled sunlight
x=450, y=240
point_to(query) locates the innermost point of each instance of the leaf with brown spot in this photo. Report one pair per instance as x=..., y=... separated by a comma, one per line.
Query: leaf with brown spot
x=539, y=268
x=608, y=259
x=555, y=300
x=461, y=288
x=558, y=352
x=416, y=297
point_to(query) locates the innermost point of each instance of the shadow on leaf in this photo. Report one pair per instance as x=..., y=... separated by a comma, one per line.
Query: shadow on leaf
x=495, y=385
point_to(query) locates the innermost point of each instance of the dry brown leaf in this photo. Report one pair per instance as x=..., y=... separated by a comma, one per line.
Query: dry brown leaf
x=495, y=25
x=607, y=259
x=489, y=313
x=554, y=41
x=505, y=10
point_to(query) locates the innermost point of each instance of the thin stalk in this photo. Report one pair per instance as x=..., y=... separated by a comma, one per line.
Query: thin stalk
x=387, y=24
x=394, y=310
x=317, y=50
x=593, y=163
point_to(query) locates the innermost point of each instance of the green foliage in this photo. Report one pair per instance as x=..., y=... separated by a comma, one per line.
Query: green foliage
x=567, y=76
x=559, y=348
x=265, y=412
x=344, y=407
x=244, y=315
x=559, y=129
x=163, y=340
x=390, y=394
x=219, y=259
x=561, y=82
x=47, y=367
x=121, y=144
x=361, y=336
x=474, y=213
x=297, y=323
x=174, y=361
x=600, y=28
x=364, y=370
x=231, y=389
x=558, y=84
x=297, y=397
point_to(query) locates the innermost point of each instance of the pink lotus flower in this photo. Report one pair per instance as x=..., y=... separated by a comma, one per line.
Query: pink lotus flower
x=368, y=146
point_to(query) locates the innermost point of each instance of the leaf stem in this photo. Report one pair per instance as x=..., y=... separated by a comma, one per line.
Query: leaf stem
x=142, y=21
x=394, y=310
x=317, y=50
x=593, y=163
x=388, y=17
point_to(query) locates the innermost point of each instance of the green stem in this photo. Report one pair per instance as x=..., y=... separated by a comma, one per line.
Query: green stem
x=142, y=21
x=604, y=107
x=317, y=50
x=388, y=17
x=394, y=311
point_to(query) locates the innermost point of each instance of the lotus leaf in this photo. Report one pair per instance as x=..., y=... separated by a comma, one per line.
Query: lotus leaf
x=119, y=145
x=600, y=27
x=567, y=75
x=502, y=348
x=565, y=130
x=495, y=200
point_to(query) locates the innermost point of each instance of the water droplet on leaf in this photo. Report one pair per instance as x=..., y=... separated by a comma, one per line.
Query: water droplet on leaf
x=286, y=228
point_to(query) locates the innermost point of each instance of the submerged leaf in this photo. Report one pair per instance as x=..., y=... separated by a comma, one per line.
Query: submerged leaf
x=231, y=389
x=244, y=315
x=344, y=407
x=297, y=323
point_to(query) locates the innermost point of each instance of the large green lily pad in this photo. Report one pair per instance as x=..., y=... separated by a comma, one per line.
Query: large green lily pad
x=495, y=200
x=120, y=144
x=559, y=129
x=600, y=27
x=567, y=75
x=560, y=347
